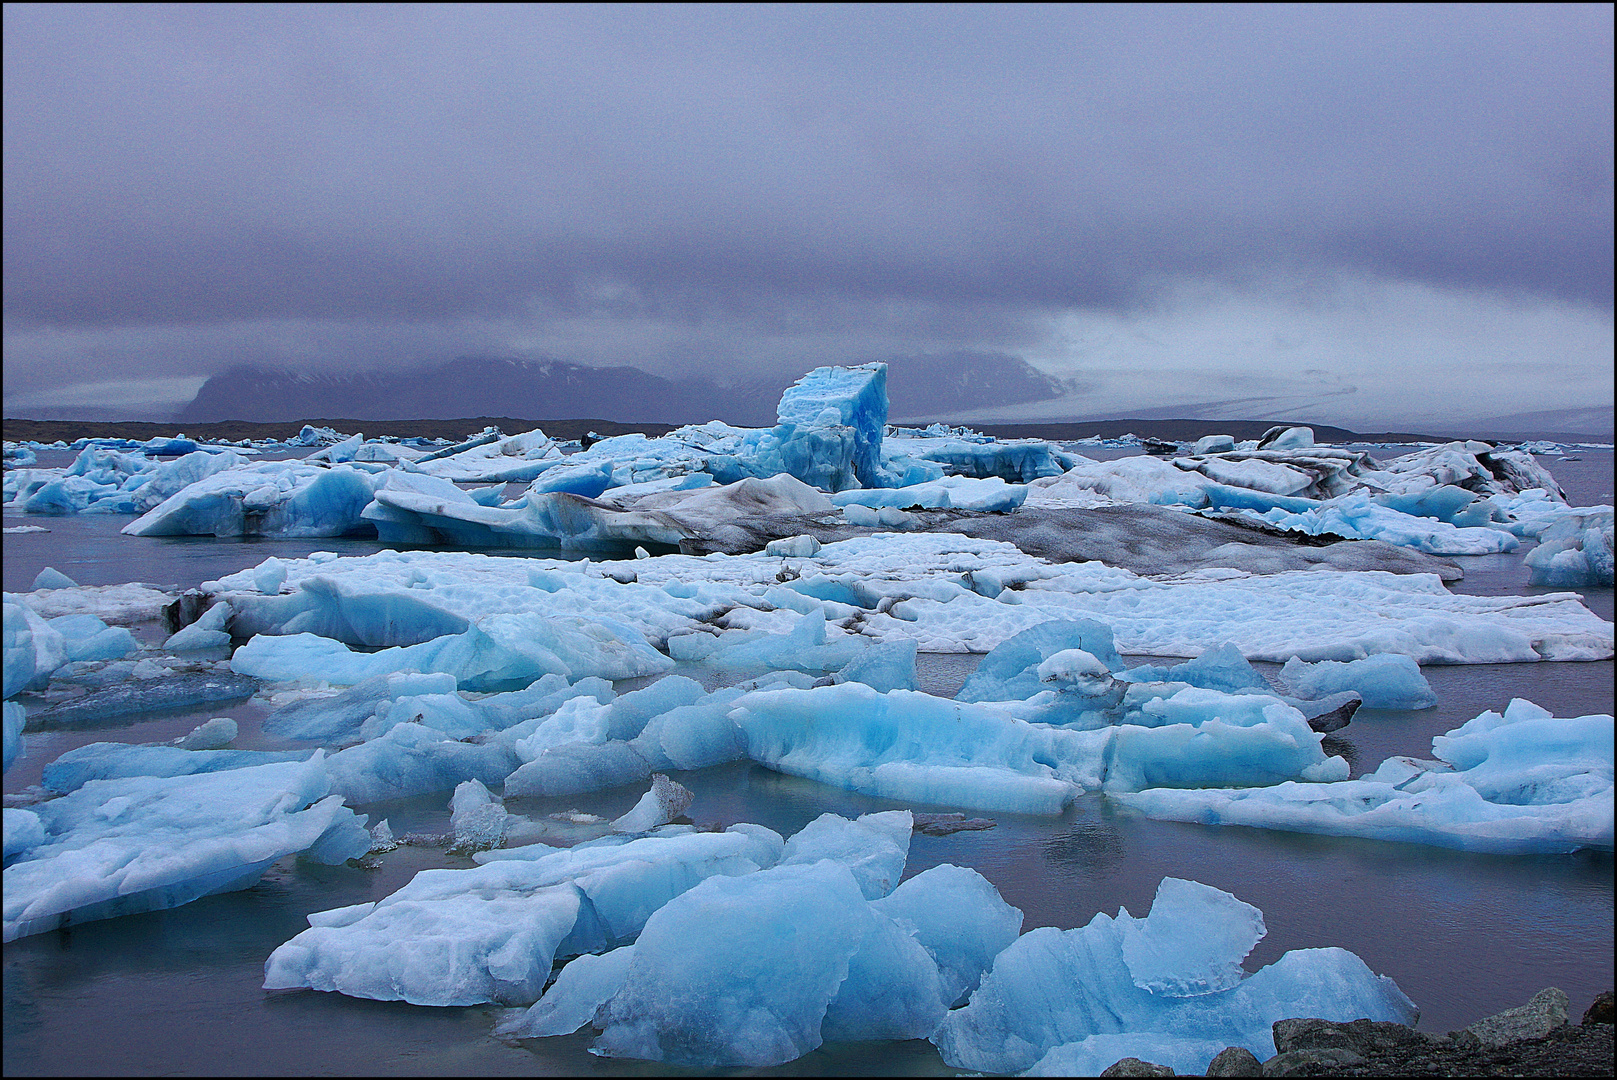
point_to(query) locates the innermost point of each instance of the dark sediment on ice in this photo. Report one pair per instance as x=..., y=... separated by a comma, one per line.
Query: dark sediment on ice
x=1144, y=539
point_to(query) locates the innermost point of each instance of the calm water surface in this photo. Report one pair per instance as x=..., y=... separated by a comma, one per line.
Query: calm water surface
x=180, y=991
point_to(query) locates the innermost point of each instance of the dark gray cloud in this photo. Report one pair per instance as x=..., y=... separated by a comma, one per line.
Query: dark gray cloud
x=770, y=172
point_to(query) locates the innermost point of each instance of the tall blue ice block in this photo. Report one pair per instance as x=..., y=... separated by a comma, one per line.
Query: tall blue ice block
x=858, y=397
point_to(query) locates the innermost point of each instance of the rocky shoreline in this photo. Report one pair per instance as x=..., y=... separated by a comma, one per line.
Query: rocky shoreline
x=1534, y=1039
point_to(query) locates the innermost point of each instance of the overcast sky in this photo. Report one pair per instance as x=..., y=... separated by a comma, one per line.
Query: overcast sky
x=1377, y=216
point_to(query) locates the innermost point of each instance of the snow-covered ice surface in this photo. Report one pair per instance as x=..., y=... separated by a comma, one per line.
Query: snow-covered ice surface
x=947, y=592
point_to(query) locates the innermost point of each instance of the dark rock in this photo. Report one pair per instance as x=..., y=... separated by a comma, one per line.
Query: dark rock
x=1336, y=717
x=944, y=824
x=1546, y=1011
x=1235, y=1061
x=1600, y=1012
x=1306, y=1062
x=185, y=610
x=1363, y=1037
x=1132, y=1066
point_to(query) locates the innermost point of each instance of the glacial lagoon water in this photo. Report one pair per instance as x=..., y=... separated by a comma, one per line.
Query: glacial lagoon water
x=179, y=991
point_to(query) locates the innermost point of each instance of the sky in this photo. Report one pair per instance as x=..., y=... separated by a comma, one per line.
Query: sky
x=1377, y=217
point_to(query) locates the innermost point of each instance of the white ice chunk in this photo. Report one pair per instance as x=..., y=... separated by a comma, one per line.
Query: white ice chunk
x=209, y=631
x=23, y=832
x=583, y=986
x=1575, y=551
x=463, y=947
x=272, y=498
x=214, y=734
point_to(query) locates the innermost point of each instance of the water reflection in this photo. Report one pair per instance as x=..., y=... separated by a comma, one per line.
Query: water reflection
x=1089, y=847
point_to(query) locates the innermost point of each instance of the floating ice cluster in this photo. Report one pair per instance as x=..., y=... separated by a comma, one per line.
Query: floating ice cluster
x=741, y=948
x=1521, y=781
x=693, y=484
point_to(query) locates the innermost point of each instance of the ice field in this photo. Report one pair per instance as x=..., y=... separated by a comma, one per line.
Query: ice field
x=816, y=747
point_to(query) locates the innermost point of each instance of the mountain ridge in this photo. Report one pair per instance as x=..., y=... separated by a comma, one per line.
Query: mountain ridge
x=556, y=389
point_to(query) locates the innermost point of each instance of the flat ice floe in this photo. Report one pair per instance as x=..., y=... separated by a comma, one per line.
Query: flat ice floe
x=945, y=592
x=1521, y=781
x=116, y=847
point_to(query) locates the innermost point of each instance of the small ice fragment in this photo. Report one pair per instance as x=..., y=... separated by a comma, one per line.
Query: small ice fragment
x=215, y=734
x=52, y=578
x=663, y=803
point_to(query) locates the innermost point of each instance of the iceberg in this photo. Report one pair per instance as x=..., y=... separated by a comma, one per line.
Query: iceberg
x=1170, y=979
x=491, y=933
x=1388, y=681
x=116, y=847
x=918, y=748
x=832, y=397
x=1521, y=781
x=1575, y=551
x=33, y=649
x=272, y=498
x=874, y=847
x=709, y=985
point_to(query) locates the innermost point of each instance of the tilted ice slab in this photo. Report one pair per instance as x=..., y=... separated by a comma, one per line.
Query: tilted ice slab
x=1171, y=980
x=945, y=592
x=272, y=498
x=116, y=847
x=491, y=933
x=1519, y=782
